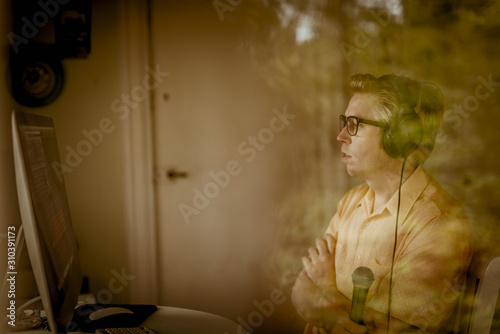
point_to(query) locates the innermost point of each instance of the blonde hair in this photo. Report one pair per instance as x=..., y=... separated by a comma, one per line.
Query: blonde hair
x=392, y=92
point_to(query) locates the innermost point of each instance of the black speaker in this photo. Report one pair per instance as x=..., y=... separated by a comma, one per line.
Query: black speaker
x=405, y=131
x=45, y=32
x=36, y=75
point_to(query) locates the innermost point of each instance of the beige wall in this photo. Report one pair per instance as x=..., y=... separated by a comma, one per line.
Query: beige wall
x=95, y=185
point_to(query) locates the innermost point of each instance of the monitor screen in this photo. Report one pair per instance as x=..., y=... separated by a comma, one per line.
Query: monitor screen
x=45, y=215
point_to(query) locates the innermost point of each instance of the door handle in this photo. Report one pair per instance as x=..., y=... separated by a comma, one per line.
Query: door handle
x=172, y=174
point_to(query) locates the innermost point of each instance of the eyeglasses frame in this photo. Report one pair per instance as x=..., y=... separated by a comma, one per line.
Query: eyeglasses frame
x=345, y=119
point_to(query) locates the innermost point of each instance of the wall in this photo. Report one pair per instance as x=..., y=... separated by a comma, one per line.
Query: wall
x=95, y=187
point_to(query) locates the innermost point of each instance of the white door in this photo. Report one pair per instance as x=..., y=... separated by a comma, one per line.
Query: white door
x=221, y=163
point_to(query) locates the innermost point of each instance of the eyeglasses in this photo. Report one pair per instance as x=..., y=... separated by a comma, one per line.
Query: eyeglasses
x=352, y=123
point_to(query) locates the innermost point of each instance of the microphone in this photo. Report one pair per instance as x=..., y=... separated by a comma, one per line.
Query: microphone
x=362, y=278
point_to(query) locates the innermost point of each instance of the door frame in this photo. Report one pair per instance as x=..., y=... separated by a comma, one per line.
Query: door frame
x=139, y=196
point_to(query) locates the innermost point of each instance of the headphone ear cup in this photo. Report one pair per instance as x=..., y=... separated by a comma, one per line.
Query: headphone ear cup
x=404, y=135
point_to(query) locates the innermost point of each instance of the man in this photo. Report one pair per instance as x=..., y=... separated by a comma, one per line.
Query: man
x=387, y=132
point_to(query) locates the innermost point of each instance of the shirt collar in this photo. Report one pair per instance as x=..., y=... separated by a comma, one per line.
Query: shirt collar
x=367, y=202
x=410, y=192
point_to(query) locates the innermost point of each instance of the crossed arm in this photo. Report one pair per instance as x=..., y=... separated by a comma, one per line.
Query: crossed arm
x=315, y=294
x=317, y=299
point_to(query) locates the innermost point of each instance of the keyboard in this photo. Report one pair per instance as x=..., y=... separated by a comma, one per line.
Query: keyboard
x=126, y=330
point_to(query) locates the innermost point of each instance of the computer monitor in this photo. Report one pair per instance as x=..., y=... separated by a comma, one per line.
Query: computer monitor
x=45, y=215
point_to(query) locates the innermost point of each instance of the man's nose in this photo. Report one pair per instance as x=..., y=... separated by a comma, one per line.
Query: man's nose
x=343, y=136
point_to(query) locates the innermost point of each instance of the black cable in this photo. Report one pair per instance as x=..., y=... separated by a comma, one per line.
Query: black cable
x=394, y=249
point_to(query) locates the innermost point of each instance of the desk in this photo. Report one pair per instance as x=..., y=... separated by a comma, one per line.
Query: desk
x=174, y=320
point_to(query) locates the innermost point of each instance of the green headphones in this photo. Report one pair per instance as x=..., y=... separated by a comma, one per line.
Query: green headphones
x=404, y=132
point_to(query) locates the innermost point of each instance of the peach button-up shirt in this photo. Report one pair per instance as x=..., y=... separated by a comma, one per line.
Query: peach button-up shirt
x=432, y=254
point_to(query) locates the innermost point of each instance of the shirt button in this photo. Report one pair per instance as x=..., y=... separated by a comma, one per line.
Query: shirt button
x=359, y=257
x=367, y=223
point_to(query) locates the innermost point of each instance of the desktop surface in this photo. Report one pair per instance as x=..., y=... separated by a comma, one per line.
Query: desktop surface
x=174, y=320
x=167, y=320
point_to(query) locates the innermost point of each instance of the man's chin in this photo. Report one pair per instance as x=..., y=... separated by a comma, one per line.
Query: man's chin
x=353, y=171
x=350, y=171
